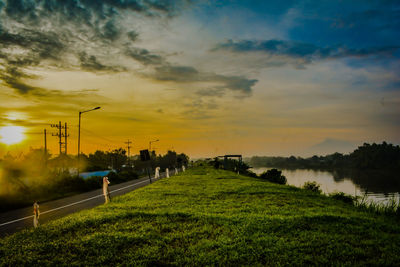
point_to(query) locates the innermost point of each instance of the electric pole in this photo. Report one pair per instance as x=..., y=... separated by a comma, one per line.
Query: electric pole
x=65, y=136
x=60, y=135
x=45, y=147
x=45, y=142
x=129, y=147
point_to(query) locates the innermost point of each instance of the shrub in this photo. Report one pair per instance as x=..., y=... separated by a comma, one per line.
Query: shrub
x=94, y=182
x=249, y=173
x=274, y=176
x=343, y=197
x=68, y=183
x=123, y=176
x=312, y=186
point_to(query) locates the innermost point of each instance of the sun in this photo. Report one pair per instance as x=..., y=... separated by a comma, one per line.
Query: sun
x=10, y=135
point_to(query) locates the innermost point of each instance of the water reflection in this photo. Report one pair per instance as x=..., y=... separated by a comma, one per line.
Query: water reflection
x=377, y=186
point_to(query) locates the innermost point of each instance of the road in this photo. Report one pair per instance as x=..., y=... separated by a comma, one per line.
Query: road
x=15, y=220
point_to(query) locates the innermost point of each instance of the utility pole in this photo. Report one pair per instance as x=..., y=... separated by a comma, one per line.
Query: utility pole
x=129, y=147
x=45, y=142
x=45, y=147
x=60, y=135
x=66, y=136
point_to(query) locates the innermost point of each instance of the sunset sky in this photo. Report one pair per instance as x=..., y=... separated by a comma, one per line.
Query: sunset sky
x=205, y=77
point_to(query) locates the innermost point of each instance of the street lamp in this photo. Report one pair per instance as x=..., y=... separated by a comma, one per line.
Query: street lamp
x=79, y=132
x=152, y=142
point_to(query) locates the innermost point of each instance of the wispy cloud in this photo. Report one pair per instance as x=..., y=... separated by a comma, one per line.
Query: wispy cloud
x=189, y=74
x=302, y=53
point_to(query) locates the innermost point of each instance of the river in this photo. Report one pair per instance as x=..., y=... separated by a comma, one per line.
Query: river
x=374, y=186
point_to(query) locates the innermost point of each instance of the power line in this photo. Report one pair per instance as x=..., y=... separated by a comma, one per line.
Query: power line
x=101, y=137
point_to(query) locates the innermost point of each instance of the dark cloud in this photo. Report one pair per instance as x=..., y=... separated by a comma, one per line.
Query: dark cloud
x=237, y=83
x=144, y=56
x=91, y=63
x=42, y=45
x=304, y=51
x=190, y=74
x=177, y=74
x=13, y=76
x=110, y=31
x=19, y=86
x=132, y=35
x=33, y=48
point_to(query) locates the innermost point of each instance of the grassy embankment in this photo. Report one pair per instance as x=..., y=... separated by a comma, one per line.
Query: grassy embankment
x=205, y=216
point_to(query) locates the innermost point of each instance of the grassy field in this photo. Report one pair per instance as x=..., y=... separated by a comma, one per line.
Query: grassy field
x=211, y=217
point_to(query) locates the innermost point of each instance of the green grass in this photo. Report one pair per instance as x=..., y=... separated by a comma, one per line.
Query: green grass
x=212, y=217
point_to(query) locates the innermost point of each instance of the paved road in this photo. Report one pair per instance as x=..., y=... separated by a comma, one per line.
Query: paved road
x=13, y=221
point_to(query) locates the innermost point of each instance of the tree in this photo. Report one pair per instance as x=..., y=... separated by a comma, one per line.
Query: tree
x=274, y=176
x=118, y=158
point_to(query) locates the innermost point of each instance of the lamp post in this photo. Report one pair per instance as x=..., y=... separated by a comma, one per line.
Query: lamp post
x=152, y=142
x=79, y=133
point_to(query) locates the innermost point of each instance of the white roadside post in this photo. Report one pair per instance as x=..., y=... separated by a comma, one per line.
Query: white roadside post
x=106, y=193
x=183, y=168
x=36, y=214
x=157, y=174
x=166, y=173
x=176, y=171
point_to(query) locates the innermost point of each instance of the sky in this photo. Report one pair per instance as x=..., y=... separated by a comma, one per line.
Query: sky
x=204, y=77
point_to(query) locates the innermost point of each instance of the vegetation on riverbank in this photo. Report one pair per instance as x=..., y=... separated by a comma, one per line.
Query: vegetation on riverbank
x=207, y=216
x=366, y=157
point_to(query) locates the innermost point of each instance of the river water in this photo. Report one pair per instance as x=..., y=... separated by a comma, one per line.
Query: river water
x=374, y=186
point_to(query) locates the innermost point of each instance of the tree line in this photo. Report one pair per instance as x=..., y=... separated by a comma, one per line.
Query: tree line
x=366, y=157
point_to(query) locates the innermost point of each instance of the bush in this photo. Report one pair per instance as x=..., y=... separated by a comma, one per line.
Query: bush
x=123, y=176
x=274, y=176
x=312, y=186
x=249, y=173
x=343, y=197
x=94, y=182
x=68, y=183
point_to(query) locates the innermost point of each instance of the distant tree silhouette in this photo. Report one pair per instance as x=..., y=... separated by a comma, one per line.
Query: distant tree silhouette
x=366, y=157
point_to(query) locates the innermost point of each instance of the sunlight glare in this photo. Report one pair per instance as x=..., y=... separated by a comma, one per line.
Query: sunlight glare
x=12, y=134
